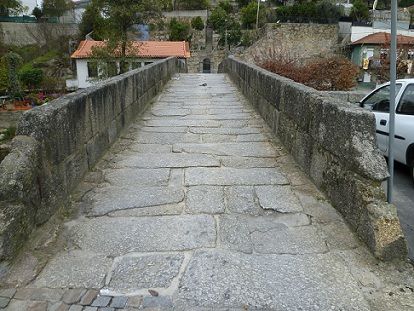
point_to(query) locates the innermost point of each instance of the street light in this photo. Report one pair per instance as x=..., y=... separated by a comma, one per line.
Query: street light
x=257, y=15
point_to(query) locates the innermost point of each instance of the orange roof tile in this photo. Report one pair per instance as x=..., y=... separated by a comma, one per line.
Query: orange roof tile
x=384, y=38
x=144, y=49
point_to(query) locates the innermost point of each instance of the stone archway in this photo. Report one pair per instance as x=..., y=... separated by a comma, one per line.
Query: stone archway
x=206, y=65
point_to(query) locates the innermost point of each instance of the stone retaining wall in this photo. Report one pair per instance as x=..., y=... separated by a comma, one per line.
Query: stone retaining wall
x=334, y=143
x=59, y=142
x=21, y=34
x=10, y=118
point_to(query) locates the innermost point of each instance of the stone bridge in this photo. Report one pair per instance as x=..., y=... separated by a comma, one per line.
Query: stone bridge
x=194, y=202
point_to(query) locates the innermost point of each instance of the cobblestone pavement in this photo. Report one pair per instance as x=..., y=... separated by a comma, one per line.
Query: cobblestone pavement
x=197, y=208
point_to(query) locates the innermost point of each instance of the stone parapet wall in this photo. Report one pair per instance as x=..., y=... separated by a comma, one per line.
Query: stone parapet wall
x=352, y=97
x=57, y=143
x=334, y=143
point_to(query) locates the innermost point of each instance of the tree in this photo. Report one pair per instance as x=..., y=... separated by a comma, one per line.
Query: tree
x=11, y=7
x=226, y=25
x=197, y=23
x=38, y=13
x=119, y=17
x=13, y=61
x=31, y=77
x=328, y=12
x=243, y=3
x=359, y=11
x=226, y=6
x=56, y=8
x=179, y=31
x=249, y=14
x=405, y=3
x=91, y=22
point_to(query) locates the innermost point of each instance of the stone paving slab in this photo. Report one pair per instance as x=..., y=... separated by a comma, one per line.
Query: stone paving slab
x=144, y=234
x=232, y=176
x=75, y=269
x=166, y=138
x=205, y=199
x=269, y=282
x=169, y=160
x=278, y=198
x=224, y=130
x=150, y=148
x=144, y=271
x=241, y=149
x=127, y=177
x=111, y=199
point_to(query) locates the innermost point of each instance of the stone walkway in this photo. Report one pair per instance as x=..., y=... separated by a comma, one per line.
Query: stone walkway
x=197, y=208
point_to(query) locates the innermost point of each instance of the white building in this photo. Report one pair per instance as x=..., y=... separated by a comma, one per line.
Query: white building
x=89, y=70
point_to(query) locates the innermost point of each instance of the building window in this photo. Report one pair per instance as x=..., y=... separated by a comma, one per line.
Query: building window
x=112, y=69
x=136, y=65
x=92, y=69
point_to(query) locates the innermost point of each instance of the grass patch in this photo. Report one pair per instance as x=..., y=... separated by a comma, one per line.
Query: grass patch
x=8, y=133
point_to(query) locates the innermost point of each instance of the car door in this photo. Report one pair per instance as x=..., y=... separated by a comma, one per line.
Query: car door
x=404, y=124
x=379, y=103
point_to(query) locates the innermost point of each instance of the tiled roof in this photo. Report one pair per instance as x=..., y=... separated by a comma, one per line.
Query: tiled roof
x=144, y=49
x=384, y=38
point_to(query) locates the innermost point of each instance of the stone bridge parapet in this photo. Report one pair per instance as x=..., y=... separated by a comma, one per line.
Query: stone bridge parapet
x=334, y=143
x=56, y=144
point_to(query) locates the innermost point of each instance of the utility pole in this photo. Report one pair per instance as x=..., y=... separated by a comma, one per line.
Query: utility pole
x=393, y=78
x=257, y=15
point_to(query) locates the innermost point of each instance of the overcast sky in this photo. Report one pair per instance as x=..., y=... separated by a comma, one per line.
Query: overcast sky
x=31, y=4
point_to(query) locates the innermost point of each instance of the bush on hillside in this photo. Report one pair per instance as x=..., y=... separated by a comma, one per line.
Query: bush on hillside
x=31, y=77
x=179, y=31
x=318, y=12
x=197, y=23
x=335, y=73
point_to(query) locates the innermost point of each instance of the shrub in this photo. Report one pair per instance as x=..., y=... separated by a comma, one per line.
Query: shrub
x=248, y=37
x=320, y=12
x=4, y=77
x=179, y=31
x=405, y=3
x=197, y=23
x=13, y=61
x=31, y=77
x=359, y=11
x=335, y=73
x=249, y=15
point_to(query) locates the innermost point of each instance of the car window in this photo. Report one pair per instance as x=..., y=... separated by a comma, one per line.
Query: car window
x=379, y=100
x=406, y=105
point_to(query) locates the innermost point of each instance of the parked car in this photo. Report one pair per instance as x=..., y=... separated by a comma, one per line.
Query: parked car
x=378, y=102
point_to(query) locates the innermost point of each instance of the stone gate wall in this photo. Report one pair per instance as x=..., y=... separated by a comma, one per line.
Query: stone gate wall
x=59, y=142
x=294, y=41
x=334, y=143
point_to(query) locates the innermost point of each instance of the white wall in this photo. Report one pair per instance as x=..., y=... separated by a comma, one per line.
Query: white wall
x=83, y=79
x=358, y=32
x=82, y=73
